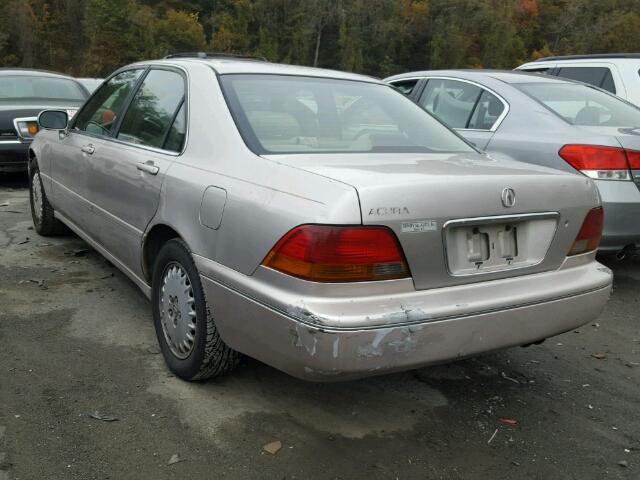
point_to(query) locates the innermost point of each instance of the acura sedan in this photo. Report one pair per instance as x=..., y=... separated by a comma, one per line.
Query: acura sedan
x=24, y=93
x=318, y=221
x=547, y=121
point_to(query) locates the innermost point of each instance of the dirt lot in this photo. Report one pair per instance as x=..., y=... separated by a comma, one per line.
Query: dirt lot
x=76, y=338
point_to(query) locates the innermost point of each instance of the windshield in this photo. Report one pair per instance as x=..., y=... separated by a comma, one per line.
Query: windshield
x=40, y=87
x=583, y=105
x=295, y=114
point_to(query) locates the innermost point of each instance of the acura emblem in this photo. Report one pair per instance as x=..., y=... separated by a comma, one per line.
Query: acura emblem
x=508, y=197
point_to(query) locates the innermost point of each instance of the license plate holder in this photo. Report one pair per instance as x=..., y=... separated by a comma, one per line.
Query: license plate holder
x=493, y=244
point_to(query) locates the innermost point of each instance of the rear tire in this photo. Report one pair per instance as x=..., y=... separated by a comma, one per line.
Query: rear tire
x=42, y=213
x=185, y=327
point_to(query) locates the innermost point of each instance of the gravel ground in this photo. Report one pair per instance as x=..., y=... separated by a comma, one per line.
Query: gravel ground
x=76, y=340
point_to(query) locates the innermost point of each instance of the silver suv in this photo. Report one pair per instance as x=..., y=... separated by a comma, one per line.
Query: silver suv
x=618, y=73
x=315, y=220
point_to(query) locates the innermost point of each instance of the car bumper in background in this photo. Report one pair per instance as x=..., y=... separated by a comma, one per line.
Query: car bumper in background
x=329, y=339
x=621, y=203
x=13, y=156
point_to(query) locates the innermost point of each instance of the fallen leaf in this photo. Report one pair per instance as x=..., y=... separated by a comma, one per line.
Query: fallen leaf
x=509, y=421
x=599, y=356
x=273, y=447
x=175, y=458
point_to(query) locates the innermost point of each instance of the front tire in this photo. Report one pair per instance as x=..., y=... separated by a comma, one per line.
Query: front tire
x=44, y=221
x=186, y=331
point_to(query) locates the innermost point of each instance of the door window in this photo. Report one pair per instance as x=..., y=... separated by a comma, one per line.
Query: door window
x=597, y=76
x=451, y=101
x=486, y=113
x=177, y=132
x=153, y=109
x=405, y=86
x=461, y=104
x=101, y=112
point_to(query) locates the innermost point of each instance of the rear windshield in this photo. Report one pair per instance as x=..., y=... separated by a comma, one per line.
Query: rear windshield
x=583, y=105
x=39, y=87
x=295, y=114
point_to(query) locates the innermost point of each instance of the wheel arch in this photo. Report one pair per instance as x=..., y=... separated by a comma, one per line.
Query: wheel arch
x=154, y=239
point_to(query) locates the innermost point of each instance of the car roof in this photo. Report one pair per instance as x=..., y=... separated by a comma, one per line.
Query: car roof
x=5, y=72
x=224, y=66
x=506, y=76
x=587, y=57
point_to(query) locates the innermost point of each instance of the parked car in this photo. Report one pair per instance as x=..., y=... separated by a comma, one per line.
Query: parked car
x=90, y=83
x=618, y=73
x=315, y=220
x=24, y=93
x=546, y=121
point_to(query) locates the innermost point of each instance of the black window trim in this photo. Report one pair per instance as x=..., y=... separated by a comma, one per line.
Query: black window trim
x=500, y=118
x=127, y=103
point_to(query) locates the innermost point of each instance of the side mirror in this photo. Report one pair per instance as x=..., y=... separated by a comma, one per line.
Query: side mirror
x=53, y=119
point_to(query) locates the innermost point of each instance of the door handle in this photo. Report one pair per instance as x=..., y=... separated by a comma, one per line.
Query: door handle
x=88, y=149
x=148, y=167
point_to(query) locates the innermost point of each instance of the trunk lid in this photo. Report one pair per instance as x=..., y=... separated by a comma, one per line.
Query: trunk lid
x=448, y=212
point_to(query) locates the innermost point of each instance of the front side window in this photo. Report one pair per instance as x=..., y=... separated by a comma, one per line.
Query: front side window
x=296, y=114
x=405, y=86
x=583, y=105
x=596, y=76
x=100, y=113
x=451, y=101
x=40, y=88
x=149, y=118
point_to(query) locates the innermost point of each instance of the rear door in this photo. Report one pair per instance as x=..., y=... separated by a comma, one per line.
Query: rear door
x=467, y=107
x=126, y=172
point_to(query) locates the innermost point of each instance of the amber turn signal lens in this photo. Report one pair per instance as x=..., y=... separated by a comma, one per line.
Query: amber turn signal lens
x=33, y=128
x=590, y=233
x=325, y=253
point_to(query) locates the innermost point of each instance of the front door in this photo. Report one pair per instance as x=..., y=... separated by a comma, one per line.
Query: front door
x=126, y=172
x=70, y=166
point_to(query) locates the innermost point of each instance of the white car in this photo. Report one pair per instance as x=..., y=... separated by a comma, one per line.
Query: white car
x=618, y=73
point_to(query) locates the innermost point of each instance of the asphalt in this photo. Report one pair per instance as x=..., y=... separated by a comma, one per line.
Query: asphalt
x=77, y=342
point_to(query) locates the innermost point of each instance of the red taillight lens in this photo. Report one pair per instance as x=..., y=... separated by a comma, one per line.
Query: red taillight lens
x=324, y=253
x=590, y=233
x=599, y=162
x=634, y=159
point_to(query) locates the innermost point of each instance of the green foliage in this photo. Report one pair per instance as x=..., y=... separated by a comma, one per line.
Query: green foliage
x=378, y=37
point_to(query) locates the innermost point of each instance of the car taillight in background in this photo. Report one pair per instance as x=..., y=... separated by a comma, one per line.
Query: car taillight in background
x=588, y=238
x=325, y=253
x=600, y=162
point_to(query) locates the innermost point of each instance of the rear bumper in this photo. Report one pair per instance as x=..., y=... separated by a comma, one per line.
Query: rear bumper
x=621, y=204
x=423, y=328
x=13, y=156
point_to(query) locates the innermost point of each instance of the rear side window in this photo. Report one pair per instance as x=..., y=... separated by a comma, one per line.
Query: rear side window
x=100, y=113
x=583, y=105
x=405, y=86
x=153, y=109
x=177, y=132
x=597, y=76
x=461, y=104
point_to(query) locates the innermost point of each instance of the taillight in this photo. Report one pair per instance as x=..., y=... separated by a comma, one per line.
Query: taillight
x=599, y=162
x=324, y=253
x=590, y=233
x=634, y=159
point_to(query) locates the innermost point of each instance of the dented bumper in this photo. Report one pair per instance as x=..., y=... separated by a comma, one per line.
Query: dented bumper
x=381, y=333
